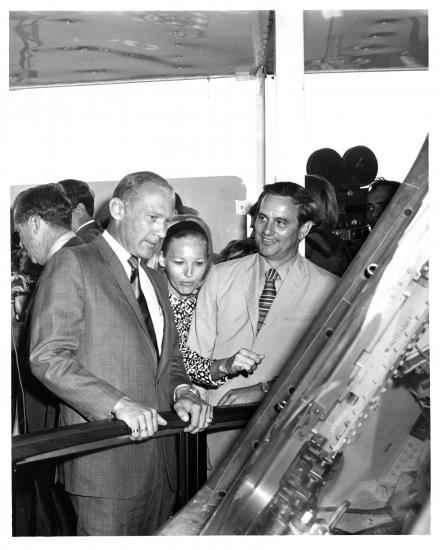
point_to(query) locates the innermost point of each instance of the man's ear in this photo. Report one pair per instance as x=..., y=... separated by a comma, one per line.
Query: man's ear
x=161, y=260
x=117, y=208
x=304, y=229
x=80, y=208
x=35, y=224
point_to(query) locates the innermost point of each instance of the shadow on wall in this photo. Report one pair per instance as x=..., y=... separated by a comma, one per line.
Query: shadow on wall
x=213, y=197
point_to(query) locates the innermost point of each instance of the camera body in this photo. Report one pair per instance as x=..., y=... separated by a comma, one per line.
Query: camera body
x=350, y=176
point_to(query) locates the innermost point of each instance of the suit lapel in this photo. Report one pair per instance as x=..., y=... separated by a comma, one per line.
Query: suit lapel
x=250, y=288
x=120, y=277
x=163, y=300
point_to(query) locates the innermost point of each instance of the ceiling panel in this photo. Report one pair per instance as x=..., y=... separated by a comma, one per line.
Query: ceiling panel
x=372, y=40
x=64, y=48
x=49, y=48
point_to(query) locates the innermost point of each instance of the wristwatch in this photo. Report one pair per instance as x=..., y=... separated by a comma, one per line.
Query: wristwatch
x=185, y=387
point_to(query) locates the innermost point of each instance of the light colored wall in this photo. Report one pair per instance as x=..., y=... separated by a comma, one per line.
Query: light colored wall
x=213, y=197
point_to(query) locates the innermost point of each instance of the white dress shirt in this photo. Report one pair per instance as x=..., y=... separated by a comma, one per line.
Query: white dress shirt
x=84, y=224
x=146, y=286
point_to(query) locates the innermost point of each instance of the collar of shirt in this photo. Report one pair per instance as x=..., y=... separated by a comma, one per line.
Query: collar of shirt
x=122, y=254
x=84, y=224
x=282, y=270
x=146, y=286
x=60, y=242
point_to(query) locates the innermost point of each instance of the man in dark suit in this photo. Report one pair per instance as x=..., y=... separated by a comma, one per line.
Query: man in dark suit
x=42, y=217
x=83, y=206
x=98, y=347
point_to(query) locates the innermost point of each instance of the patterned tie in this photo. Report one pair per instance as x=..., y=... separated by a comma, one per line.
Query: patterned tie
x=135, y=283
x=267, y=296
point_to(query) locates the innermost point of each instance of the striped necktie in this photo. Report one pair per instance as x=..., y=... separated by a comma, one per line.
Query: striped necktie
x=267, y=296
x=136, y=285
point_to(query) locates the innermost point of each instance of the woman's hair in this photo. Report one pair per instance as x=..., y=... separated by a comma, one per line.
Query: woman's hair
x=186, y=228
x=325, y=198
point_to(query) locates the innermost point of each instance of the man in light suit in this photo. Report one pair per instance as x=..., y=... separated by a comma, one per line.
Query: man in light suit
x=83, y=206
x=105, y=356
x=228, y=312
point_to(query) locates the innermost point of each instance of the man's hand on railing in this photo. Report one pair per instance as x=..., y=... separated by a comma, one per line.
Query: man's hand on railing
x=143, y=421
x=190, y=406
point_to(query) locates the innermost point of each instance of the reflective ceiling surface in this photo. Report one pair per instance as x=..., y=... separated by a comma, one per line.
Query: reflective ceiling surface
x=49, y=48
x=63, y=48
x=372, y=40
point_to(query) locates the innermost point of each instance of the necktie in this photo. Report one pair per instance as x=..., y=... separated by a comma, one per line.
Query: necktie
x=267, y=296
x=135, y=283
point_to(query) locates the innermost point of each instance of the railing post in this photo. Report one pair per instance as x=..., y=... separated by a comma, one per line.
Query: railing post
x=191, y=468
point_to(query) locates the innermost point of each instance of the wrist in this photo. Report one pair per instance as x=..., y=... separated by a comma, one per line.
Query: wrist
x=182, y=388
x=264, y=387
x=220, y=369
x=120, y=404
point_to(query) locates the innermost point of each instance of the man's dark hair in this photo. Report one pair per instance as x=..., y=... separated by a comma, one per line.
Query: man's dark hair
x=179, y=205
x=128, y=188
x=308, y=209
x=179, y=230
x=79, y=192
x=48, y=201
x=381, y=182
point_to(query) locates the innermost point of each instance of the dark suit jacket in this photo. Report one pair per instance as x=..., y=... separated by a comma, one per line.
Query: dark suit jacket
x=40, y=405
x=89, y=231
x=90, y=346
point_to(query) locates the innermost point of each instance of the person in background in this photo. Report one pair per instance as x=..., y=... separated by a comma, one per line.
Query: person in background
x=322, y=248
x=186, y=257
x=42, y=218
x=252, y=213
x=380, y=193
x=83, y=206
x=183, y=209
x=179, y=208
x=237, y=248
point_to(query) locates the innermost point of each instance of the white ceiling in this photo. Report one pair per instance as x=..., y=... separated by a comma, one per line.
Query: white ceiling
x=61, y=48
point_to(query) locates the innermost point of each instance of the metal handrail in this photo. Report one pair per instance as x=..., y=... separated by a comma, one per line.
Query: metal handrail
x=90, y=436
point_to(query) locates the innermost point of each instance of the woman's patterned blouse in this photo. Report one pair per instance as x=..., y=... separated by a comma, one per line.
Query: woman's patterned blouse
x=197, y=367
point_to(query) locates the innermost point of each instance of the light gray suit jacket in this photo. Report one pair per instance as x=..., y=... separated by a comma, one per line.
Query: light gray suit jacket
x=227, y=315
x=90, y=346
x=226, y=320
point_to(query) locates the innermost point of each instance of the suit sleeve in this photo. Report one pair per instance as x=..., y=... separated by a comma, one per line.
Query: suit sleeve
x=203, y=331
x=58, y=324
